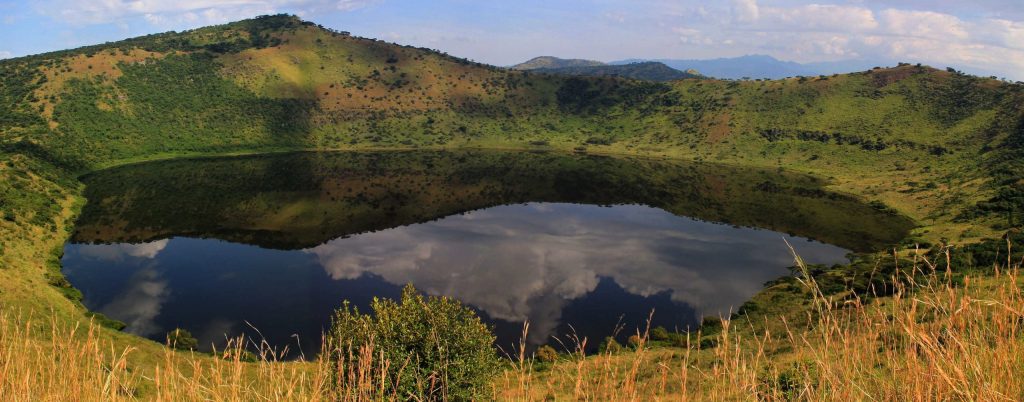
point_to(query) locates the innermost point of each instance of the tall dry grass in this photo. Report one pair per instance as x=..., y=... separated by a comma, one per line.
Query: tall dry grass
x=934, y=339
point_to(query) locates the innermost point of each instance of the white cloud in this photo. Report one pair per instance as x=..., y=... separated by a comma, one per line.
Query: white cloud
x=923, y=24
x=817, y=17
x=349, y=5
x=745, y=10
x=692, y=36
x=1002, y=33
x=4, y=54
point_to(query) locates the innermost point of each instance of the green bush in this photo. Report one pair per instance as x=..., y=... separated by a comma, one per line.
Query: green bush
x=433, y=347
x=105, y=321
x=610, y=345
x=659, y=334
x=182, y=340
x=546, y=354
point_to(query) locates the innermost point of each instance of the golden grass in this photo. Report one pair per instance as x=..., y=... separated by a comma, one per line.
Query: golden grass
x=933, y=339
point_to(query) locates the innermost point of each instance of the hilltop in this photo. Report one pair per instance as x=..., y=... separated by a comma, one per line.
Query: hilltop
x=640, y=70
x=647, y=71
x=555, y=62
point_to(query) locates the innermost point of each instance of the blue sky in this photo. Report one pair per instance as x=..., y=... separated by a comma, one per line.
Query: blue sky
x=982, y=36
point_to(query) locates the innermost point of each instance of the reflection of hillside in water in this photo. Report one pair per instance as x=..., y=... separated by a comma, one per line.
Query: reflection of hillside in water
x=294, y=201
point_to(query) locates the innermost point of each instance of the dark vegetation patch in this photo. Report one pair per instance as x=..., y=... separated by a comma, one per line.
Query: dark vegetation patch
x=868, y=144
x=1006, y=167
x=589, y=96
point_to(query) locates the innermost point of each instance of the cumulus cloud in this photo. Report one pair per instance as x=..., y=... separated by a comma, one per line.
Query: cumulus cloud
x=746, y=10
x=520, y=263
x=817, y=17
x=924, y=24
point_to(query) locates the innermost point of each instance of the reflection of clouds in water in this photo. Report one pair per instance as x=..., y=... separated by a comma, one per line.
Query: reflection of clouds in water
x=527, y=261
x=140, y=302
x=118, y=252
x=216, y=331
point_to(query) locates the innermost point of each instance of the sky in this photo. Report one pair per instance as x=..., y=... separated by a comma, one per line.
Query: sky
x=980, y=36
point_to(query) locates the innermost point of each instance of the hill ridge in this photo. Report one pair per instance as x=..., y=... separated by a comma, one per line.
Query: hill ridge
x=650, y=71
x=541, y=62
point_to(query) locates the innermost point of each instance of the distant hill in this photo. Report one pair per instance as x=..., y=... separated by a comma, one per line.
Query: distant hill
x=762, y=66
x=650, y=71
x=752, y=66
x=554, y=62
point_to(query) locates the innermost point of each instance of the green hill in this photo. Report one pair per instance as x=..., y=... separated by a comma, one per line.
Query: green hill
x=649, y=71
x=554, y=62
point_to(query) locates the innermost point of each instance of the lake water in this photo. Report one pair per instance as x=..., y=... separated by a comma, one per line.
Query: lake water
x=269, y=246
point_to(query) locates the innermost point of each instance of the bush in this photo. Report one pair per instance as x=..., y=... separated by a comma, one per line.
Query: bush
x=546, y=354
x=105, y=321
x=659, y=334
x=711, y=324
x=634, y=341
x=239, y=354
x=428, y=348
x=182, y=340
x=610, y=345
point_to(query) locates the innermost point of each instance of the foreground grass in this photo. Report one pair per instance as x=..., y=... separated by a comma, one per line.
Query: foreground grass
x=934, y=339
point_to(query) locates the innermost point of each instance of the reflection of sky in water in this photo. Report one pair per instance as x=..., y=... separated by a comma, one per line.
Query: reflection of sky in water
x=551, y=264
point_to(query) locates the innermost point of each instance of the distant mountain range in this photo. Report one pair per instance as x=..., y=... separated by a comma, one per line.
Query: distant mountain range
x=750, y=66
x=641, y=70
x=761, y=66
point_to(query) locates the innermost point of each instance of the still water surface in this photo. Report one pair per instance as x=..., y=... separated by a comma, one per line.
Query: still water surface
x=571, y=243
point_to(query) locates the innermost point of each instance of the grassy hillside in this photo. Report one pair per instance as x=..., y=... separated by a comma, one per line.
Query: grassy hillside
x=941, y=147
